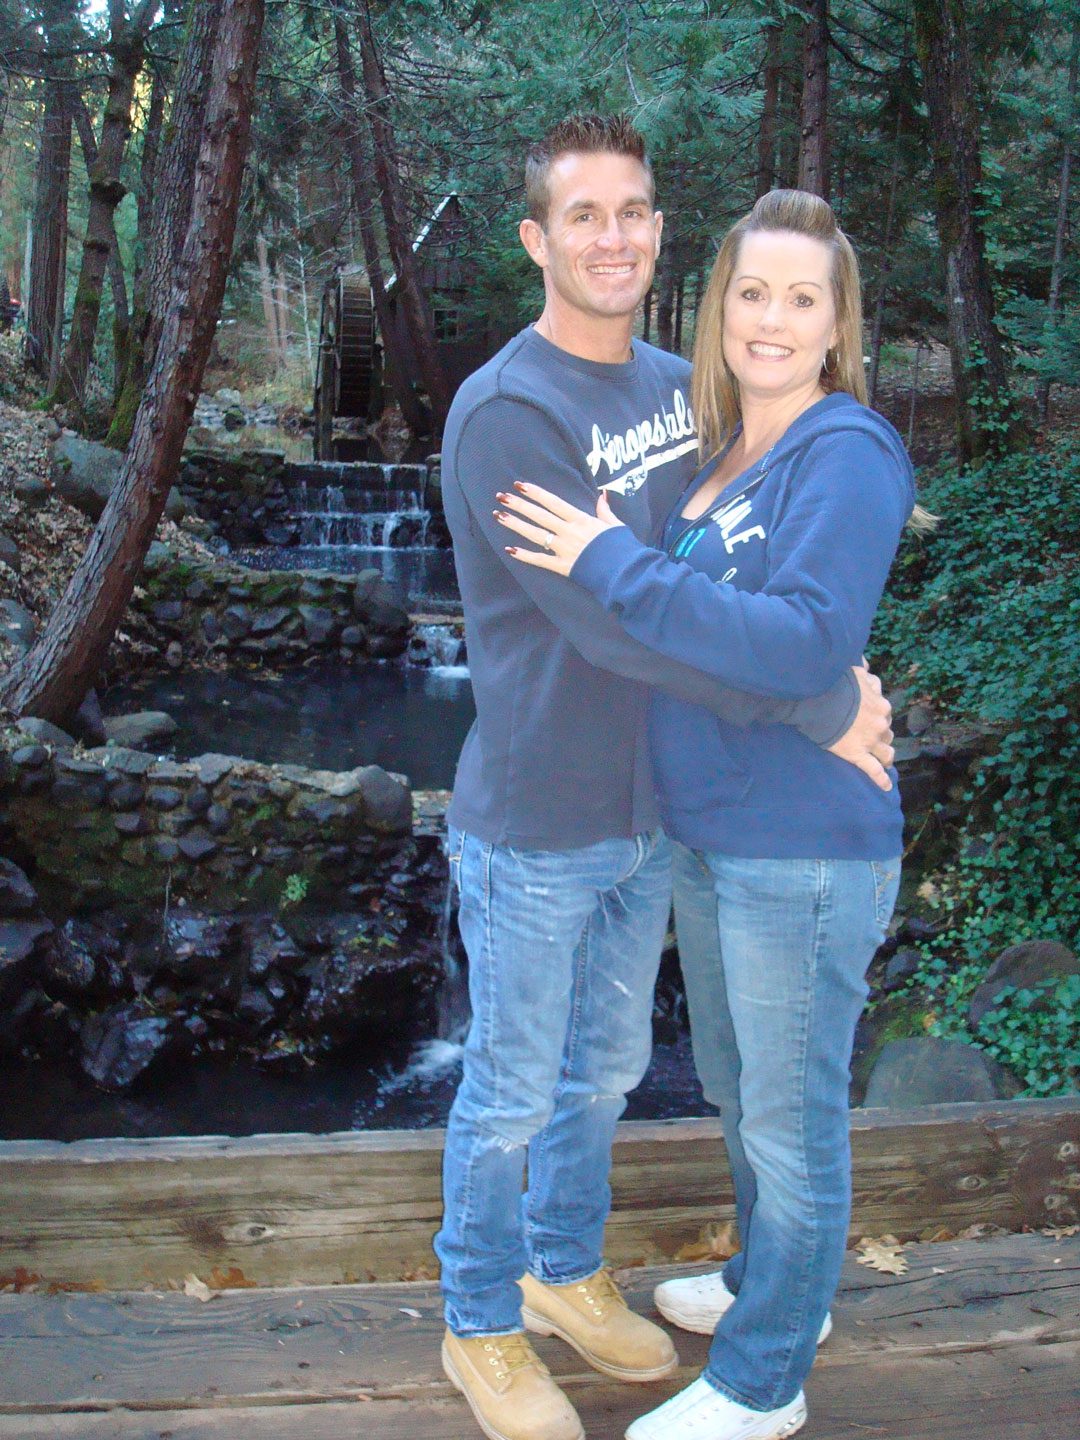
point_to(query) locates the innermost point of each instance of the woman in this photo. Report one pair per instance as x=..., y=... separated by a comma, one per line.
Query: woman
x=787, y=861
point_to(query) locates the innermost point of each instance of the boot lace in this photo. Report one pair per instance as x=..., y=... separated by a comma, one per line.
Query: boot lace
x=600, y=1292
x=510, y=1353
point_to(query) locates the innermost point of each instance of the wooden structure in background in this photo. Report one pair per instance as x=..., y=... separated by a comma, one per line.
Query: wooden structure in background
x=351, y=349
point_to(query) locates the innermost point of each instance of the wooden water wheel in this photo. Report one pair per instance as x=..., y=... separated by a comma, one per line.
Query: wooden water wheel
x=347, y=383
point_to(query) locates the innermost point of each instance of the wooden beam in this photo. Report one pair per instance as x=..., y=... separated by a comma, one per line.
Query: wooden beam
x=296, y=1209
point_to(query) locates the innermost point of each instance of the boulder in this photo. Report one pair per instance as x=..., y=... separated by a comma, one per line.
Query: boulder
x=1022, y=966
x=84, y=473
x=142, y=727
x=87, y=724
x=31, y=492
x=18, y=946
x=18, y=625
x=387, y=800
x=120, y=1044
x=929, y=1071
x=17, y=895
x=47, y=732
x=9, y=553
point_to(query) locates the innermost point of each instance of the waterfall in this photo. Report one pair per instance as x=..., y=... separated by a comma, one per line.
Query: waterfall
x=361, y=506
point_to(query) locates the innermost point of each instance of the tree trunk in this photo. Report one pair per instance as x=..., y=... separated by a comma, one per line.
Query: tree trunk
x=766, y=151
x=646, y=321
x=117, y=279
x=397, y=364
x=415, y=309
x=665, y=297
x=986, y=415
x=281, y=307
x=173, y=184
x=53, y=678
x=48, y=252
x=127, y=47
x=266, y=294
x=886, y=268
x=814, y=110
x=680, y=296
x=1042, y=391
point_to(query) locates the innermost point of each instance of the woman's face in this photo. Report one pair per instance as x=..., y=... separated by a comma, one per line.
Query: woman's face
x=779, y=315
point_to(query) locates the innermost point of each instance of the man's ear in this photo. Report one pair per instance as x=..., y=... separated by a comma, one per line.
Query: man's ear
x=531, y=234
x=659, y=217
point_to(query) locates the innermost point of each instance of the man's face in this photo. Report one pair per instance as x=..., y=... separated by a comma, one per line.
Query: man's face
x=598, y=248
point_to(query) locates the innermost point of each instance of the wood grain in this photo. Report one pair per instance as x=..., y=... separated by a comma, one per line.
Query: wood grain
x=325, y=1209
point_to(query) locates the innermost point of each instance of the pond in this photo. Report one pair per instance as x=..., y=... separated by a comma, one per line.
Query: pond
x=410, y=719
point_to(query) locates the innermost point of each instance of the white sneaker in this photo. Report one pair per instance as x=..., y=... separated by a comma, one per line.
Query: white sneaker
x=701, y=1413
x=696, y=1303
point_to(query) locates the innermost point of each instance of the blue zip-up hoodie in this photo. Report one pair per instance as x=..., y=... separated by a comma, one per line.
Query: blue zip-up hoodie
x=774, y=589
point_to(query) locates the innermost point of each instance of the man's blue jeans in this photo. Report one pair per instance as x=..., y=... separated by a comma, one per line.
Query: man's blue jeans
x=563, y=952
x=774, y=955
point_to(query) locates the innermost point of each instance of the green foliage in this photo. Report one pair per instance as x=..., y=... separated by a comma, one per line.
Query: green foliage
x=294, y=890
x=985, y=616
x=1036, y=1033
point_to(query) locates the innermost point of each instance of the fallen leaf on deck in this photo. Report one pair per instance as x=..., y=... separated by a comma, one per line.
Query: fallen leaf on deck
x=197, y=1289
x=716, y=1242
x=981, y=1231
x=882, y=1254
x=1061, y=1232
x=408, y=1310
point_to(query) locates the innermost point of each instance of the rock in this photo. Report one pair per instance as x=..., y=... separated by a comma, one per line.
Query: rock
x=30, y=757
x=918, y=719
x=164, y=797
x=84, y=473
x=127, y=761
x=929, y=1071
x=167, y=612
x=132, y=823
x=200, y=947
x=354, y=637
x=197, y=846
x=218, y=819
x=88, y=725
x=255, y=1007
x=18, y=943
x=211, y=768
x=31, y=493
x=18, y=625
x=125, y=794
x=69, y=968
x=48, y=732
x=1022, y=966
x=387, y=802
x=318, y=624
x=902, y=966
x=174, y=655
x=199, y=800
x=236, y=622
x=142, y=727
x=175, y=505
x=17, y=895
x=234, y=418
x=267, y=620
x=227, y=397
x=9, y=553
x=123, y=1042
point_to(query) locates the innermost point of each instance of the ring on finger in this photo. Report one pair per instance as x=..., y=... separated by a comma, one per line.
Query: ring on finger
x=549, y=541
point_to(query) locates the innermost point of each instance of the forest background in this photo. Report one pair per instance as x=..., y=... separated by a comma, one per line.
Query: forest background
x=944, y=135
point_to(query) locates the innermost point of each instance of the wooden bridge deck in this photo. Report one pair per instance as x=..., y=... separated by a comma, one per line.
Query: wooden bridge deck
x=979, y=1338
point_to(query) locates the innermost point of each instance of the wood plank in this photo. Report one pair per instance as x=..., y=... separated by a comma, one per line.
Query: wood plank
x=1030, y=1393
x=326, y=1209
x=332, y=1344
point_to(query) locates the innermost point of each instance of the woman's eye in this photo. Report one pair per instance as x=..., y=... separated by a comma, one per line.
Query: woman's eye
x=751, y=294
x=804, y=301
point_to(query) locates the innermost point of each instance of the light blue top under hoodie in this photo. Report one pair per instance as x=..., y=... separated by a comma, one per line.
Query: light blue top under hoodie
x=772, y=590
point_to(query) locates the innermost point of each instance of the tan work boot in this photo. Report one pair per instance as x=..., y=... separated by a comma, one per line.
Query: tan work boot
x=593, y=1317
x=509, y=1389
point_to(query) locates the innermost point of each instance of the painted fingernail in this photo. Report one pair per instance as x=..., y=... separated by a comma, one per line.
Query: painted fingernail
x=499, y=514
x=519, y=485
x=504, y=498
x=511, y=549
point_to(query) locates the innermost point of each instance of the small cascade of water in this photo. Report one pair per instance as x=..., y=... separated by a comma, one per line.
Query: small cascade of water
x=432, y=1059
x=441, y=649
x=364, y=506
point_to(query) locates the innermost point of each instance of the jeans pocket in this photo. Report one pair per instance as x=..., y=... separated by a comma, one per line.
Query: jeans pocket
x=886, y=885
x=455, y=844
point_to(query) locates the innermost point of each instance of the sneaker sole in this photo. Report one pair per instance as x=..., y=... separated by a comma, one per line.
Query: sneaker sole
x=702, y=1322
x=789, y=1427
x=451, y=1372
x=540, y=1325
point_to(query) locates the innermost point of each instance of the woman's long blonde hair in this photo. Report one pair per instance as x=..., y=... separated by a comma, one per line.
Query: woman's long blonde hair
x=714, y=390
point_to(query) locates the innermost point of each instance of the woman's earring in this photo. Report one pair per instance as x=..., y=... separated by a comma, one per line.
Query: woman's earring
x=831, y=369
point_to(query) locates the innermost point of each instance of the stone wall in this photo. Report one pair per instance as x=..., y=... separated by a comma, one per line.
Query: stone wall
x=273, y=615
x=151, y=910
x=113, y=826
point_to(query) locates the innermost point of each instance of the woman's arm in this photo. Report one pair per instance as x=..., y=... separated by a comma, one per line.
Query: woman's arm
x=829, y=556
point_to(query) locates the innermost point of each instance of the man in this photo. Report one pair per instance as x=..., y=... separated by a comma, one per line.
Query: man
x=554, y=839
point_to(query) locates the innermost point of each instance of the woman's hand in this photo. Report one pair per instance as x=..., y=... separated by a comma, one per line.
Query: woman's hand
x=559, y=528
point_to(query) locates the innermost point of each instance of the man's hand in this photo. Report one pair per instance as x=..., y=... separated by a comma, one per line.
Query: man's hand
x=868, y=743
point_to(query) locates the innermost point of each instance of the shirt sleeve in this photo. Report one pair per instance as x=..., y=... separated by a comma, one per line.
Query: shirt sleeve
x=828, y=557
x=506, y=440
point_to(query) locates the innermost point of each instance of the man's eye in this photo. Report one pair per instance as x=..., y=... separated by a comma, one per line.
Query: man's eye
x=585, y=215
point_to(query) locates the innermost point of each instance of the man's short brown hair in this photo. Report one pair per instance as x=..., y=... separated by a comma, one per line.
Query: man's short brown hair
x=579, y=135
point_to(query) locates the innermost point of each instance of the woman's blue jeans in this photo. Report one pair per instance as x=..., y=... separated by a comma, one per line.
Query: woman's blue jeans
x=774, y=955
x=563, y=952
